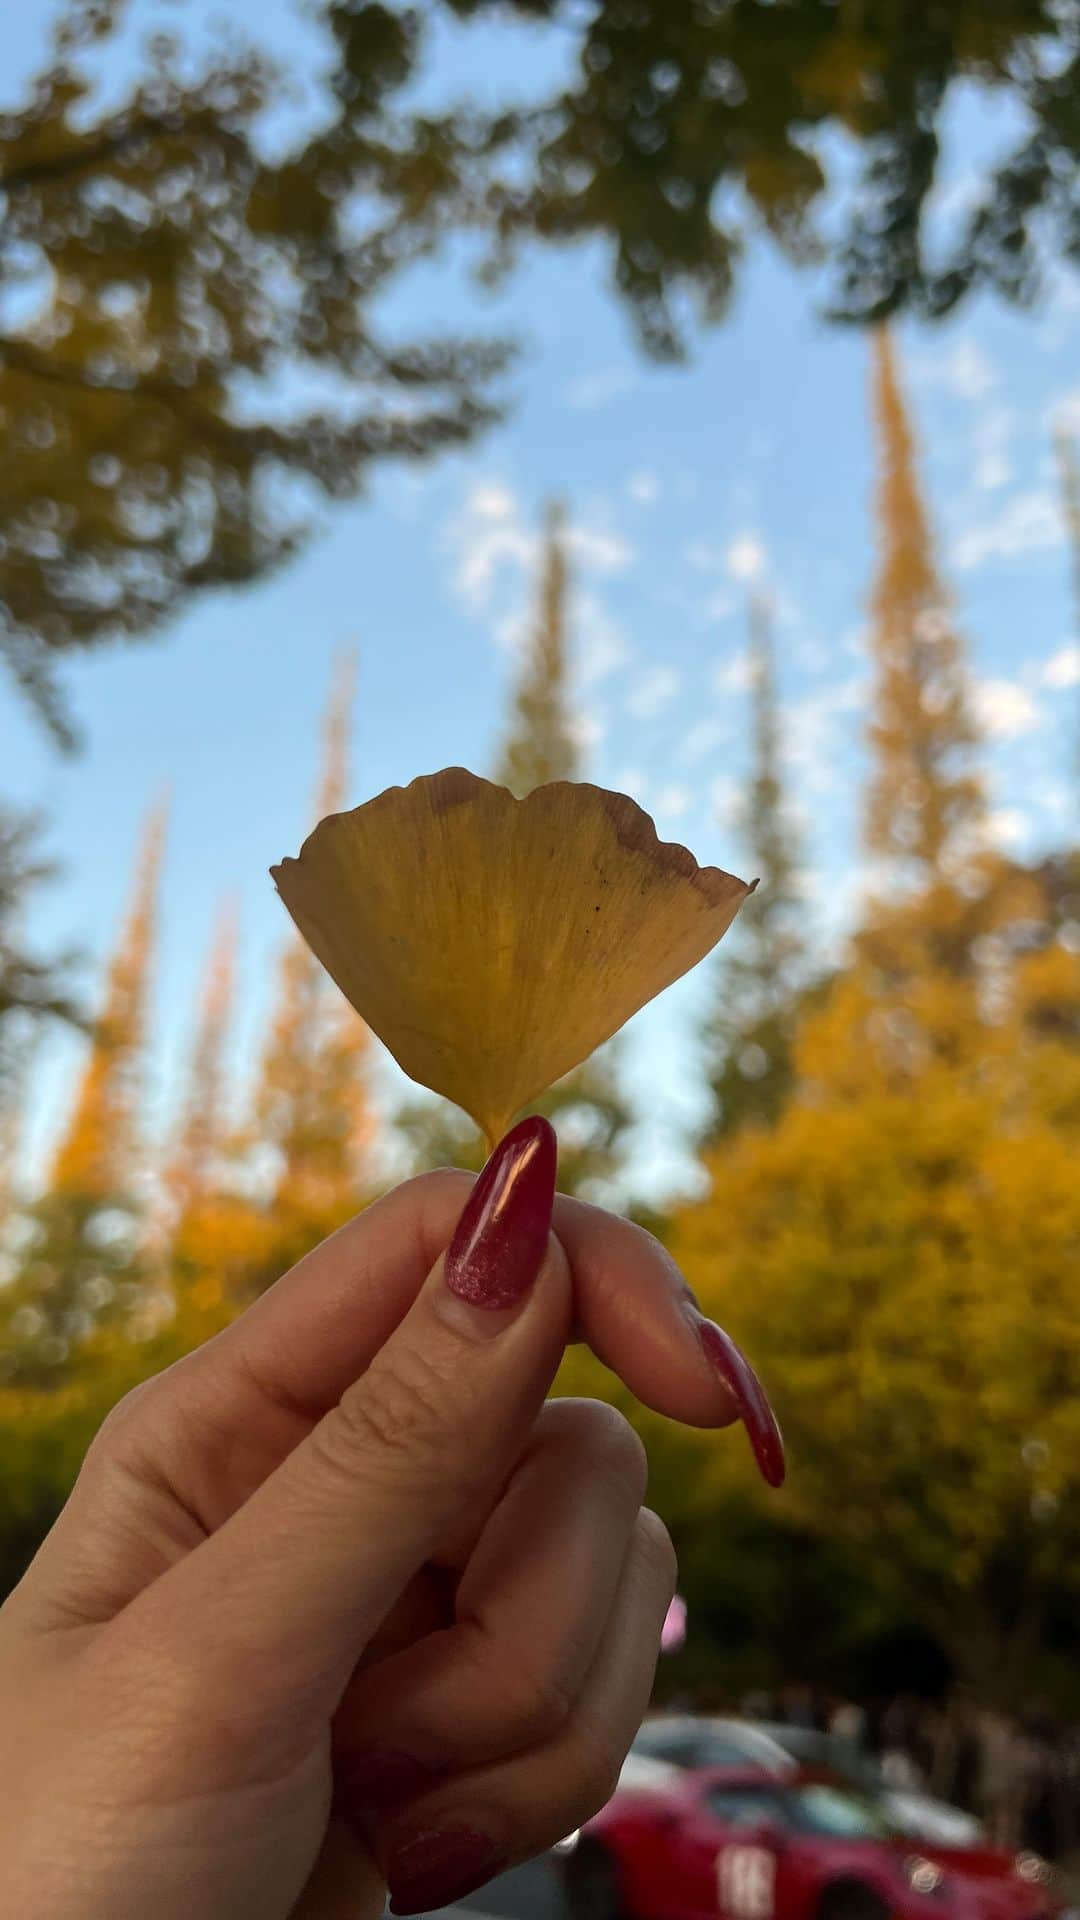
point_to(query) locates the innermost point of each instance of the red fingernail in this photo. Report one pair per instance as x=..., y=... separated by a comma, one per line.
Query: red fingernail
x=439, y=1866
x=501, y=1239
x=377, y=1778
x=757, y=1416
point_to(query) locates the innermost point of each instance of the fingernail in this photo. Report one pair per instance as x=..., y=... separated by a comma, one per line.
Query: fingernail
x=757, y=1416
x=434, y=1868
x=377, y=1778
x=501, y=1239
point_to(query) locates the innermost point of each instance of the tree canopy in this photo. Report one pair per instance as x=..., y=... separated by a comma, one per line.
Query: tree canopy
x=197, y=347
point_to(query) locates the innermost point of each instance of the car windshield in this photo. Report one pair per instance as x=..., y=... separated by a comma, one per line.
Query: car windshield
x=824, y=1750
x=699, y=1743
x=836, y=1812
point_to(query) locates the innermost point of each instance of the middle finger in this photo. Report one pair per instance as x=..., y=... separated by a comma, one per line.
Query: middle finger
x=529, y=1611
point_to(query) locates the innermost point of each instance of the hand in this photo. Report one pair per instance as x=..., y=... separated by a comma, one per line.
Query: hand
x=337, y=1599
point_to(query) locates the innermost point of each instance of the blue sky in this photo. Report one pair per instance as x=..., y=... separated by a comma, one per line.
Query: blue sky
x=751, y=461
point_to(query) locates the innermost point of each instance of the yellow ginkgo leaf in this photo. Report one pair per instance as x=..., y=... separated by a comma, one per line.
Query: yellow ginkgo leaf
x=491, y=942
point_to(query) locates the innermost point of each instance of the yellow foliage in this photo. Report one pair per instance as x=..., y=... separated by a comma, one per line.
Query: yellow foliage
x=900, y=1256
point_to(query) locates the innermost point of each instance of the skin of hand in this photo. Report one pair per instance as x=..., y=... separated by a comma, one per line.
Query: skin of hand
x=339, y=1600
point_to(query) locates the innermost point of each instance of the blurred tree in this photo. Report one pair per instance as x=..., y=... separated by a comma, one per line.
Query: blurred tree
x=924, y=800
x=686, y=125
x=194, y=1169
x=759, y=982
x=195, y=351
x=212, y=1233
x=540, y=743
x=34, y=989
x=11, y=1113
x=78, y=1266
x=940, y=892
x=587, y=1107
x=898, y=1255
x=1069, y=469
x=312, y=1116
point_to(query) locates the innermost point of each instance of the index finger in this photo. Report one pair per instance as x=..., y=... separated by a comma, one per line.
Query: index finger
x=306, y=1339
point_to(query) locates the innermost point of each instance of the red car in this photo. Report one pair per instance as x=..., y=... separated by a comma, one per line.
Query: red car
x=721, y=1844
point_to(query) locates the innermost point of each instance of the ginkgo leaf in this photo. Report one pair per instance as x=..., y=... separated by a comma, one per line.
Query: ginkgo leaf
x=492, y=943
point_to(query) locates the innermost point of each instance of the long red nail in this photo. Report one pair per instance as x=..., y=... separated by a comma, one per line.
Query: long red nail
x=436, y=1867
x=501, y=1239
x=757, y=1416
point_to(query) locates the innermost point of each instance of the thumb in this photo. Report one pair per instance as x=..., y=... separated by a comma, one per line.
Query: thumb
x=300, y=1577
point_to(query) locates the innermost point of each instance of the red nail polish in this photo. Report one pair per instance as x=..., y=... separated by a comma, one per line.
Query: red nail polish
x=434, y=1868
x=757, y=1416
x=377, y=1778
x=500, y=1241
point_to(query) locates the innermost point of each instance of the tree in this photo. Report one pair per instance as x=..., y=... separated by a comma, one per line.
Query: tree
x=188, y=286
x=212, y=1233
x=941, y=891
x=897, y=1254
x=34, y=988
x=924, y=801
x=687, y=127
x=192, y=292
x=759, y=982
x=78, y=1269
x=586, y=1107
x=1069, y=468
x=540, y=744
x=194, y=1167
x=312, y=1106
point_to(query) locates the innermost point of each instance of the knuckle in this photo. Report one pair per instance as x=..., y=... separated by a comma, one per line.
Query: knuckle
x=595, y=1768
x=607, y=1440
x=115, y=1431
x=623, y=1452
x=393, y=1419
x=655, y=1552
x=537, y=1705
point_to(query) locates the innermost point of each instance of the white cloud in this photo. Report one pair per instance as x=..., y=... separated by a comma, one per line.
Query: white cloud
x=599, y=643
x=814, y=734
x=1065, y=412
x=1062, y=669
x=959, y=195
x=495, y=546
x=673, y=801
x=992, y=437
x=655, y=690
x=633, y=781
x=1005, y=709
x=643, y=487
x=725, y=796
x=588, y=729
x=597, y=549
x=1028, y=522
x=599, y=388
x=735, y=675
x=964, y=370
x=700, y=740
x=745, y=558
x=1006, y=827
x=486, y=536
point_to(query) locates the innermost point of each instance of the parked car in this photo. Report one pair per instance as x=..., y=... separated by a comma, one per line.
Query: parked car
x=713, y=1740
x=724, y=1843
x=922, y=1815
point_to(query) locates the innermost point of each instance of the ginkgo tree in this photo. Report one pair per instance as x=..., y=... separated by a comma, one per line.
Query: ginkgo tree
x=899, y=1255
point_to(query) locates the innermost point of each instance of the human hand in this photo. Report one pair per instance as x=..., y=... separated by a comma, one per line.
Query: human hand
x=337, y=1599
